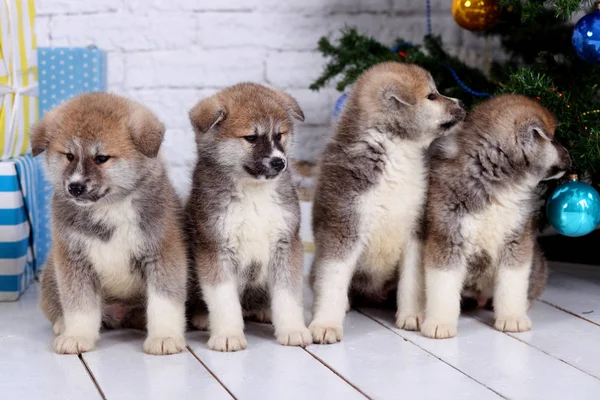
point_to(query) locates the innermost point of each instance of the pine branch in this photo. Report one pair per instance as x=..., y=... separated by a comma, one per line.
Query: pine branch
x=542, y=64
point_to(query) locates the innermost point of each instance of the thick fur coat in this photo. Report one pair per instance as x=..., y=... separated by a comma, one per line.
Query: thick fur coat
x=482, y=213
x=245, y=216
x=370, y=195
x=118, y=254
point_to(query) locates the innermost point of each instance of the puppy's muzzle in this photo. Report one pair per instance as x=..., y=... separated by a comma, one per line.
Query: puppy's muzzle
x=565, y=161
x=77, y=189
x=278, y=164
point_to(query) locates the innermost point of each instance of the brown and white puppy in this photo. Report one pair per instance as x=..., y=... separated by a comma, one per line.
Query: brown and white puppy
x=482, y=212
x=370, y=195
x=118, y=249
x=245, y=215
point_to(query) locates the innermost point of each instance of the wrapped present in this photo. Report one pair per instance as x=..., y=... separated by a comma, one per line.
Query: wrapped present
x=66, y=72
x=21, y=228
x=18, y=76
x=63, y=74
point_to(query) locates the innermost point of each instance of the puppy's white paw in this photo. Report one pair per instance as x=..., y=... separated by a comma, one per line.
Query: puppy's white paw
x=326, y=333
x=200, y=322
x=298, y=337
x=409, y=322
x=438, y=329
x=59, y=326
x=65, y=344
x=164, y=345
x=513, y=324
x=227, y=342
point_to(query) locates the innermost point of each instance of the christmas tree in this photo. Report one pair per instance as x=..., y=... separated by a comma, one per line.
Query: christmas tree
x=541, y=63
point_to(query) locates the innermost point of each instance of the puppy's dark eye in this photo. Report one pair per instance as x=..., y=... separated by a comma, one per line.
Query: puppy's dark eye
x=70, y=156
x=251, y=138
x=278, y=136
x=101, y=159
x=431, y=96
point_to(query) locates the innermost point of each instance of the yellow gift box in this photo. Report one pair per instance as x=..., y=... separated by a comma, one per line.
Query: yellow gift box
x=18, y=76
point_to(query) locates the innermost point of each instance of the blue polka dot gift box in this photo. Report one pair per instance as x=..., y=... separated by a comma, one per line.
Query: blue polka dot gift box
x=65, y=72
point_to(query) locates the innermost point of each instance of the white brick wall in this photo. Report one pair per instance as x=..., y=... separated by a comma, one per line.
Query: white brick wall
x=170, y=53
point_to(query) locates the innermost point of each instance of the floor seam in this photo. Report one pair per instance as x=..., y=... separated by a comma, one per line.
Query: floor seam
x=92, y=377
x=211, y=372
x=342, y=377
x=430, y=353
x=534, y=347
x=569, y=312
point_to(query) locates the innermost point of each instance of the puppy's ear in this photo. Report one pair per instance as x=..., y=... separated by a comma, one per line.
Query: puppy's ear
x=292, y=106
x=395, y=96
x=206, y=114
x=533, y=130
x=43, y=131
x=146, y=130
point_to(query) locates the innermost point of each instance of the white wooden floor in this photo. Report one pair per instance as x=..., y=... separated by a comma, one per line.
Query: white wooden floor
x=558, y=359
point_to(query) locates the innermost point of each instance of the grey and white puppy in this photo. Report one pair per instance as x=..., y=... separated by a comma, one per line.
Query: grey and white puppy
x=371, y=192
x=482, y=212
x=118, y=254
x=245, y=215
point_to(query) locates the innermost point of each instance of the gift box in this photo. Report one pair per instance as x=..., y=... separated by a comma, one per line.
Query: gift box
x=23, y=212
x=65, y=72
x=18, y=76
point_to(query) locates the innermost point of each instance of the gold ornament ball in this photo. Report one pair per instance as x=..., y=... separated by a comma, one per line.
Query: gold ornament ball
x=475, y=15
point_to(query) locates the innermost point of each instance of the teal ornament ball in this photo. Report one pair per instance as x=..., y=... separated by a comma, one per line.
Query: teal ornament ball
x=574, y=208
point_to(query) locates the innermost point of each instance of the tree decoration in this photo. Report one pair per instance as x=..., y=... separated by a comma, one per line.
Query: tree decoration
x=573, y=209
x=339, y=105
x=475, y=15
x=586, y=37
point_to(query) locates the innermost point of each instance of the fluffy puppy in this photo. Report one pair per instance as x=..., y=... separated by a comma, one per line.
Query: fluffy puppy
x=118, y=249
x=482, y=212
x=370, y=195
x=245, y=215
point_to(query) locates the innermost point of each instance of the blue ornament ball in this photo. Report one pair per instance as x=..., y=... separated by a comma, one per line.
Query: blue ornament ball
x=339, y=104
x=574, y=208
x=586, y=37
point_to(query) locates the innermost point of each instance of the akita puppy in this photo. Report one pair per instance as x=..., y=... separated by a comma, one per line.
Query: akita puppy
x=245, y=216
x=370, y=195
x=482, y=211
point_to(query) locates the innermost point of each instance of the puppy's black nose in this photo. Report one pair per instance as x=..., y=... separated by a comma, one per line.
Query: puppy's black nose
x=462, y=105
x=76, y=189
x=277, y=164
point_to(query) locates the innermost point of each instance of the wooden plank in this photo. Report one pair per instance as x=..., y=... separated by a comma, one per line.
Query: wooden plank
x=576, y=291
x=267, y=370
x=123, y=371
x=384, y=366
x=564, y=336
x=507, y=366
x=29, y=368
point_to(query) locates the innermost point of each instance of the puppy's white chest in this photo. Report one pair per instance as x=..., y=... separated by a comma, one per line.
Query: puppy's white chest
x=112, y=259
x=392, y=208
x=252, y=224
x=488, y=230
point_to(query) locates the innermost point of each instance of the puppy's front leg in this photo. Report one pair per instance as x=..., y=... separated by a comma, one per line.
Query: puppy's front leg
x=332, y=276
x=226, y=322
x=411, y=288
x=511, y=287
x=285, y=279
x=81, y=304
x=445, y=271
x=166, y=304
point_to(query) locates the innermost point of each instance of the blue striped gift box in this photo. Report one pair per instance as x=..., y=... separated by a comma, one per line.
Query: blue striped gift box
x=18, y=207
